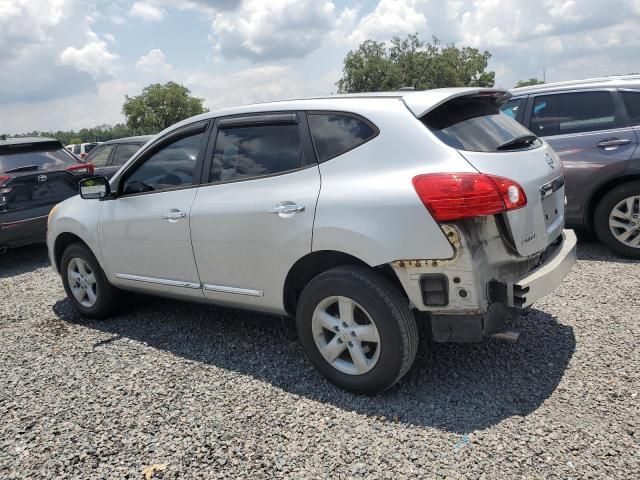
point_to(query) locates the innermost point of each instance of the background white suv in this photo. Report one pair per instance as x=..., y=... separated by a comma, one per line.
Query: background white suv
x=81, y=150
x=351, y=213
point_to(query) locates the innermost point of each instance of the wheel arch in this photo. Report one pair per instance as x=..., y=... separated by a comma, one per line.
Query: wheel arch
x=62, y=242
x=315, y=263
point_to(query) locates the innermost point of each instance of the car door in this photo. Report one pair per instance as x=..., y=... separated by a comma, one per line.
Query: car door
x=254, y=219
x=144, y=232
x=588, y=132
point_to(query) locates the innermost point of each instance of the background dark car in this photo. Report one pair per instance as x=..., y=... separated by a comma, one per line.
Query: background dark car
x=594, y=126
x=109, y=156
x=35, y=174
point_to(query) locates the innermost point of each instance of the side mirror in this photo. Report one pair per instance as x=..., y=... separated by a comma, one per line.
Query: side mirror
x=94, y=188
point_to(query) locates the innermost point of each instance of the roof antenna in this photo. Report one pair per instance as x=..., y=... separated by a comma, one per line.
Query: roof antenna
x=424, y=70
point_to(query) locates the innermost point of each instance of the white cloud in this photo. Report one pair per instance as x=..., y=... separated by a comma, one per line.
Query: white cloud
x=389, y=18
x=147, y=11
x=154, y=62
x=94, y=58
x=260, y=30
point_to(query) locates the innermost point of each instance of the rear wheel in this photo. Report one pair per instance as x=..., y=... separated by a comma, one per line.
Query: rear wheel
x=357, y=329
x=617, y=220
x=86, y=285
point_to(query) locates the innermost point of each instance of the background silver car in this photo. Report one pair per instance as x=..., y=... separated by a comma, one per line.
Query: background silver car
x=593, y=125
x=350, y=213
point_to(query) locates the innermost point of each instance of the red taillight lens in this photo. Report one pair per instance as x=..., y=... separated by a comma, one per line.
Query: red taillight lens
x=452, y=196
x=82, y=155
x=86, y=168
x=4, y=179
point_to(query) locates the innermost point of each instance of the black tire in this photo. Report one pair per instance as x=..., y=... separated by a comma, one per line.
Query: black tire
x=388, y=309
x=601, y=218
x=108, y=297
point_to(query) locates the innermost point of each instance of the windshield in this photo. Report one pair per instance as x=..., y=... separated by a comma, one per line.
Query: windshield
x=42, y=159
x=476, y=125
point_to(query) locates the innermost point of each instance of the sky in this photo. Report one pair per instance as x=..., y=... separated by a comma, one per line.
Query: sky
x=67, y=64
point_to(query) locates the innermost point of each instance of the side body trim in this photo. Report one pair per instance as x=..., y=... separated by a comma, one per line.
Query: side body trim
x=237, y=291
x=159, y=281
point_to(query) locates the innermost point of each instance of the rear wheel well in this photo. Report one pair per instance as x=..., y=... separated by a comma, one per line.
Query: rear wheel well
x=62, y=242
x=315, y=263
x=601, y=191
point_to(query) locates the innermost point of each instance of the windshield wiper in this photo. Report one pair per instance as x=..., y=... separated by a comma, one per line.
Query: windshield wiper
x=24, y=168
x=521, y=141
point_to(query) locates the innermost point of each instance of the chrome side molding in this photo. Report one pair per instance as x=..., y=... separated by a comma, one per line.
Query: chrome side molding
x=159, y=281
x=235, y=290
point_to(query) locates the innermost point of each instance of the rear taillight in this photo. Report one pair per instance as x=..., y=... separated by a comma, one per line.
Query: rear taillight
x=4, y=179
x=81, y=168
x=82, y=155
x=452, y=196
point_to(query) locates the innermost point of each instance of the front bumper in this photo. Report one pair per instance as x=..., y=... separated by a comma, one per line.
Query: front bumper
x=543, y=280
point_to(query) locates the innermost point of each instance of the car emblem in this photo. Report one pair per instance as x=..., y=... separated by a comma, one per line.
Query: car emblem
x=550, y=161
x=42, y=178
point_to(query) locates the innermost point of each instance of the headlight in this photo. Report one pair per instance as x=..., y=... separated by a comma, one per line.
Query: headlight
x=53, y=210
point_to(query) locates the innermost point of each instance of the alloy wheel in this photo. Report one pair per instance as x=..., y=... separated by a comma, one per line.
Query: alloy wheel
x=346, y=335
x=82, y=282
x=624, y=221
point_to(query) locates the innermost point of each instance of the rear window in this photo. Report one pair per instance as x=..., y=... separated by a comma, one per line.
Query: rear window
x=335, y=134
x=475, y=125
x=33, y=159
x=632, y=102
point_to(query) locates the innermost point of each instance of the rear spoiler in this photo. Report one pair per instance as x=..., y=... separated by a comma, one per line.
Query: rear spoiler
x=421, y=103
x=30, y=146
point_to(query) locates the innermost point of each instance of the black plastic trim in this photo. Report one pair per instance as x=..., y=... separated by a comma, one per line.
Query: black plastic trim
x=257, y=119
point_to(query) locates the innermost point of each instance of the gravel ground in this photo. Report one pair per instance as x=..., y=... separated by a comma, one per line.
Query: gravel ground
x=187, y=391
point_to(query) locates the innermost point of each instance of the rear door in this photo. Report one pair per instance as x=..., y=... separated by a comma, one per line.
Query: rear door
x=496, y=144
x=254, y=219
x=590, y=136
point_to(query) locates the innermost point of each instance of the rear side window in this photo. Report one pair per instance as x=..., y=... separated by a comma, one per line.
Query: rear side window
x=567, y=113
x=100, y=156
x=632, y=102
x=34, y=158
x=513, y=108
x=477, y=125
x=89, y=146
x=244, y=152
x=124, y=152
x=335, y=134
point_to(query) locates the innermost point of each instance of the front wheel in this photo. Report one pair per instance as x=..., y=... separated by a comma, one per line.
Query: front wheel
x=617, y=220
x=357, y=329
x=86, y=285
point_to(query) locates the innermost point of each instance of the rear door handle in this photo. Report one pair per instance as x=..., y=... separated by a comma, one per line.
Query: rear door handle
x=287, y=208
x=613, y=143
x=173, y=214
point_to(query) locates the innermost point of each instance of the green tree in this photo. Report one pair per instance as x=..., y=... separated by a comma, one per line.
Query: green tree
x=412, y=62
x=529, y=83
x=160, y=106
x=73, y=140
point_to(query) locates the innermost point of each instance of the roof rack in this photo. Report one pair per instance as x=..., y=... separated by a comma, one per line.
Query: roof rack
x=580, y=82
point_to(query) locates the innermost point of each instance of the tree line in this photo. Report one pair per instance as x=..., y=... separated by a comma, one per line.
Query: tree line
x=374, y=66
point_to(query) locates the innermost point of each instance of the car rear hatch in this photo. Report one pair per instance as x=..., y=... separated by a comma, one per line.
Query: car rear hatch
x=494, y=144
x=37, y=175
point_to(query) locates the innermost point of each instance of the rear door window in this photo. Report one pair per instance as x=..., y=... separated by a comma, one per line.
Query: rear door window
x=335, y=134
x=631, y=101
x=477, y=125
x=100, y=157
x=244, y=152
x=124, y=152
x=567, y=113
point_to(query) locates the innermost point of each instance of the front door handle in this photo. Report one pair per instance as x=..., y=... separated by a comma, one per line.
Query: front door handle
x=287, y=209
x=613, y=143
x=173, y=215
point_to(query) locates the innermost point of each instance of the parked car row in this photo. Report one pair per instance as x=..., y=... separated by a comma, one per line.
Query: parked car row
x=81, y=150
x=350, y=213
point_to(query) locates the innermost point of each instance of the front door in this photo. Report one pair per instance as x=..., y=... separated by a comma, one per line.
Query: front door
x=144, y=232
x=254, y=219
x=590, y=137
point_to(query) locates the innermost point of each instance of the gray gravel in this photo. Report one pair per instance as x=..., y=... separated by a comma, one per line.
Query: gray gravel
x=215, y=393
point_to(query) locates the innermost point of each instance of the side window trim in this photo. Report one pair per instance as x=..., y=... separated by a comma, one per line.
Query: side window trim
x=112, y=155
x=309, y=160
x=376, y=130
x=628, y=120
x=203, y=127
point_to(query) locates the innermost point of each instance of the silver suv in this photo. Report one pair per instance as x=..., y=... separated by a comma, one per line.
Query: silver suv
x=351, y=213
x=594, y=126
